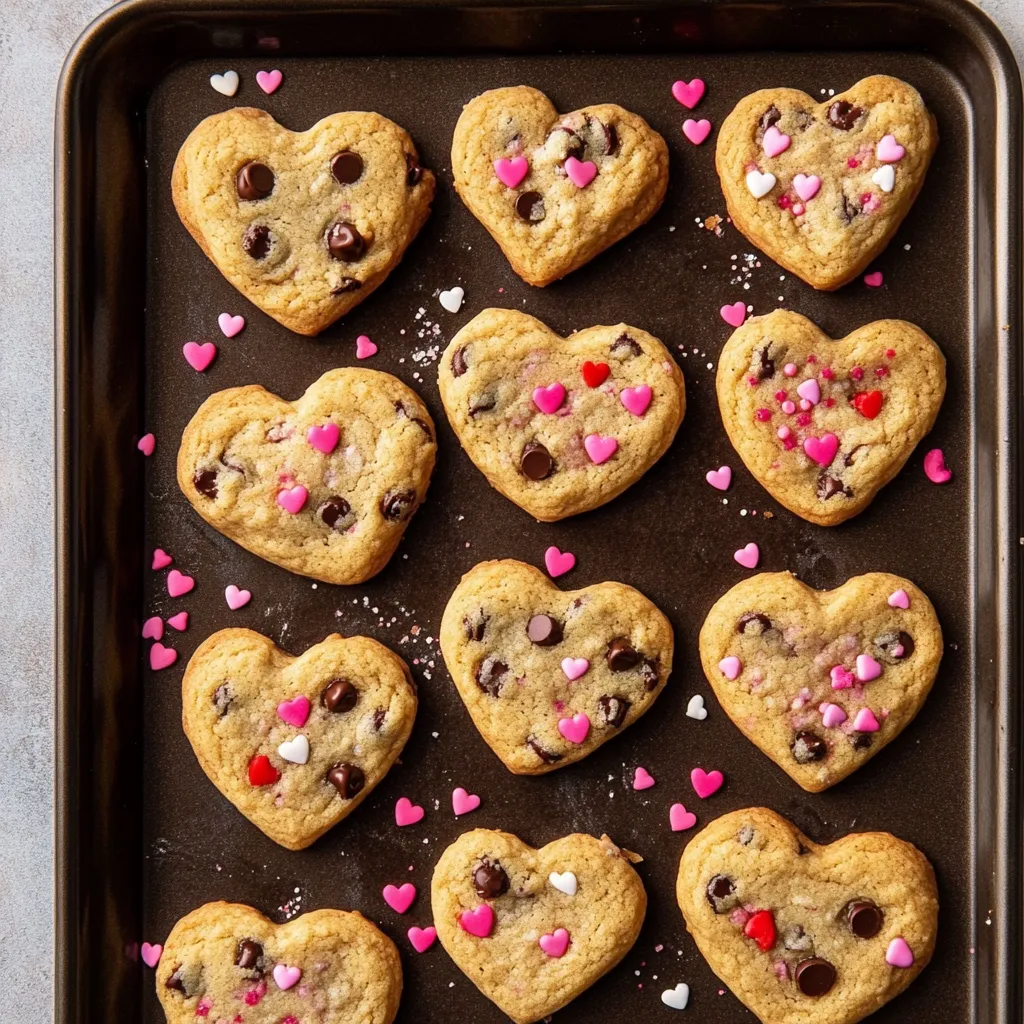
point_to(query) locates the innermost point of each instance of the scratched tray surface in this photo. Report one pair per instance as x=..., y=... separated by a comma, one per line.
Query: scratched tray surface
x=670, y=535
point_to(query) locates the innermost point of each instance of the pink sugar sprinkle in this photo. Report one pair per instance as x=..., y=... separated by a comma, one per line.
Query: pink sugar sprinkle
x=739, y=917
x=827, y=373
x=752, y=381
x=781, y=970
x=763, y=415
x=780, y=396
x=203, y=1007
x=783, y=432
x=290, y=1020
x=812, y=358
x=789, y=443
x=805, y=404
x=798, y=209
x=857, y=373
x=784, y=202
x=881, y=371
x=788, y=408
x=890, y=353
x=254, y=995
x=829, y=402
x=789, y=369
x=865, y=197
x=853, y=162
x=803, y=419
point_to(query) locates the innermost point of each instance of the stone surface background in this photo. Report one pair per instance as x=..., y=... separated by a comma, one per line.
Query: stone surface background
x=34, y=39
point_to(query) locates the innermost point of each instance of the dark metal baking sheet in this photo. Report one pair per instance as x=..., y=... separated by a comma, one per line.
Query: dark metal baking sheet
x=142, y=835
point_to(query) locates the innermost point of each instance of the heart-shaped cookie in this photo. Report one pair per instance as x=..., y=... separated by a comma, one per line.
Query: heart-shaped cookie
x=823, y=425
x=554, y=189
x=323, y=486
x=224, y=960
x=549, y=675
x=296, y=744
x=533, y=928
x=304, y=224
x=807, y=934
x=821, y=680
x=560, y=425
x=822, y=187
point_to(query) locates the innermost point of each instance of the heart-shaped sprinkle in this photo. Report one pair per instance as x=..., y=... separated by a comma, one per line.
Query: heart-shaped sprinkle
x=695, y=708
x=832, y=715
x=688, y=93
x=285, y=977
x=865, y=721
x=888, y=150
x=642, y=779
x=874, y=279
x=806, y=186
x=822, y=450
x=899, y=954
x=636, y=400
x=549, y=398
x=867, y=668
x=761, y=928
x=295, y=711
x=868, y=403
x=555, y=943
x=451, y=299
x=261, y=772
x=696, y=131
x=574, y=729
x=885, y=177
x=293, y=499
x=199, y=357
x=595, y=374
x=147, y=444
x=179, y=621
x=580, y=172
x=295, y=750
x=558, y=563
x=324, y=438
x=600, y=448
x=810, y=390
x=676, y=998
x=153, y=628
x=364, y=347
x=748, y=556
x=151, y=954
x=479, y=921
x=759, y=184
x=730, y=667
x=775, y=142
x=178, y=583
x=704, y=783
x=161, y=657
x=236, y=598
x=161, y=559
x=269, y=81
x=734, y=314
x=407, y=813
x=230, y=325
x=680, y=819
x=899, y=599
x=226, y=84
x=422, y=938
x=719, y=478
x=463, y=802
x=935, y=467
x=399, y=899
x=574, y=667
x=564, y=881
x=842, y=677
x=511, y=171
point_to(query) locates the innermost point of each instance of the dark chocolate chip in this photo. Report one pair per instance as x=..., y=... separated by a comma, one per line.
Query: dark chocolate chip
x=347, y=779
x=843, y=115
x=459, y=364
x=849, y=210
x=378, y=718
x=796, y=939
x=249, y=955
x=544, y=631
x=624, y=346
x=490, y=880
x=808, y=747
x=339, y=696
x=413, y=172
x=622, y=656
x=205, y=482
x=745, y=836
x=863, y=740
x=771, y=116
x=753, y=624
x=614, y=710
x=829, y=486
x=889, y=643
x=530, y=207
x=475, y=630
x=346, y=167
x=256, y=241
x=482, y=404
x=575, y=146
x=344, y=242
x=222, y=698
x=334, y=512
x=721, y=894
x=401, y=410
x=611, y=138
x=849, y=456
x=491, y=675
x=864, y=918
x=535, y=461
x=348, y=284
x=398, y=505
x=907, y=643
x=254, y=181
x=814, y=976
x=649, y=674
x=547, y=756
x=766, y=368
x=176, y=981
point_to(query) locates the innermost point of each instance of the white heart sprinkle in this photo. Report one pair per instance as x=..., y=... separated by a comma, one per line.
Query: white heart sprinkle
x=696, y=709
x=296, y=750
x=760, y=184
x=452, y=299
x=564, y=882
x=677, y=997
x=226, y=84
x=885, y=177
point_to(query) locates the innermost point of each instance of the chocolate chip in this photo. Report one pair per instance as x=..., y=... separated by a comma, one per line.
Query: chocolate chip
x=530, y=207
x=843, y=115
x=491, y=675
x=765, y=366
x=721, y=894
x=254, y=181
x=347, y=779
x=339, y=696
x=849, y=456
x=490, y=880
x=348, y=284
x=814, y=976
x=176, y=981
x=334, y=512
x=614, y=710
x=796, y=939
x=624, y=346
x=222, y=698
x=482, y=404
x=745, y=836
x=378, y=718
x=398, y=505
x=649, y=674
x=344, y=242
x=849, y=209
x=459, y=364
x=256, y=241
x=544, y=631
x=907, y=643
x=753, y=624
x=863, y=740
x=535, y=461
x=622, y=656
x=808, y=747
x=475, y=630
x=829, y=486
x=545, y=755
x=864, y=918
x=611, y=138
x=889, y=643
x=574, y=145
x=771, y=116
x=413, y=172
x=346, y=167
x=401, y=410
x=205, y=482
x=249, y=955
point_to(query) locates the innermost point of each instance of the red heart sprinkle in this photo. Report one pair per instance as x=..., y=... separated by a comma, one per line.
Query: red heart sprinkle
x=868, y=403
x=262, y=772
x=595, y=374
x=761, y=928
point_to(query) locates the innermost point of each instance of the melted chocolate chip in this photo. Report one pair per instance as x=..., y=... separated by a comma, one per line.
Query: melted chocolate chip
x=794, y=938
x=535, y=462
x=176, y=981
x=256, y=241
x=574, y=145
x=889, y=643
x=814, y=976
x=829, y=486
x=544, y=631
x=378, y=718
x=413, y=172
x=766, y=368
x=249, y=955
x=721, y=894
x=222, y=698
x=863, y=740
x=622, y=656
x=753, y=624
x=348, y=284
x=530, y=207
x=864, y=918
x=649, y=674
x=475, y=630
x=401, y=410
x=334, y=512
x=745, y=836
x=490, y=880
x=485, y=403
x=398, y=505
x=545, y=755
x=771, y=116
x=347, y=779
x=843, y=115
x=254, y=181
x=611, y=138
x=849, y=456
x=808, y=747
x=490, y=676
x=205, y=482
x=339, y=696
x=614, y=710
x=346, y=167
x=849, y=210
x=344, y=242
x=624, y=346
x=459, y=364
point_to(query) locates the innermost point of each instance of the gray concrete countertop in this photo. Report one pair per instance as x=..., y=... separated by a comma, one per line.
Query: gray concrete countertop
x=34, y=39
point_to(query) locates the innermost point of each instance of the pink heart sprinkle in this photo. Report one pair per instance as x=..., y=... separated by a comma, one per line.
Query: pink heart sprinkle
x=364, y=347
x=775, y=142
x=719, y=478
x=574, y=729
x=842, y=678
x=558, y=563
x=935, y=467
x=324, y=439
x=865, y=721
x=748, y=556
x=269, y=81
x=151, y=954
x=600, y=448
x=642, y=779
x=293, y=499
x=636, y=400
x=179, y=621
x=574, y=667
x=696, y=131
x=161, y=657
x=178, y=583
x=874, y=280
x=806, y=186
x=294, y=711
x=889, y=151
x=580, y=172
x=688, y=93
x=809, y=390
x=867, y=668
x=680, y=819
x=463, y=802
x=286, y=977
x=153, y=628
x=704, y=783
x=899, y=954
x=479, y=921
x=555, y=943
x=161, y=559
x=899, y=599
x=822, y=450
x=730, y=667
x=832, y=715
x=199, y=357
x=422, y=938
x=147, y=444
x=407, y=813
x=734, y=315
x=400, y=899
x=549, y=398
x=230, y=325
x=511, y=172
x=236, y=598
